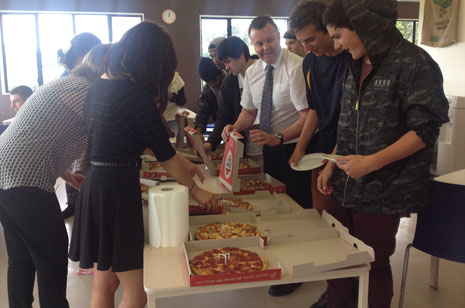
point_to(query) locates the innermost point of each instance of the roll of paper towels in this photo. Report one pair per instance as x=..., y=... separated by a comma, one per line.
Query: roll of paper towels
x=168, y=215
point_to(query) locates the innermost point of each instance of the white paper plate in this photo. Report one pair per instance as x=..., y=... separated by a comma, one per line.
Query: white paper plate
x=309, y=162
x=313, y=161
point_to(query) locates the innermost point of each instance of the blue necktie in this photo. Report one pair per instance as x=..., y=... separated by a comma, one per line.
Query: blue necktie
x=267, y=100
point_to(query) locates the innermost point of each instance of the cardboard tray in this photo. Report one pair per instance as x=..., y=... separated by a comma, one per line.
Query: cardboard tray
x=253, y=168
x=262, y=201
x=303, y=255
x=191, y=249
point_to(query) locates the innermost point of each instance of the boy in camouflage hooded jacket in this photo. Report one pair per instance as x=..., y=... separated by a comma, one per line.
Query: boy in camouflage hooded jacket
x=392, y=107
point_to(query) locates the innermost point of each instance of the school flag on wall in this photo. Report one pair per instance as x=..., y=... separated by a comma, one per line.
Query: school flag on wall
x=440, y=21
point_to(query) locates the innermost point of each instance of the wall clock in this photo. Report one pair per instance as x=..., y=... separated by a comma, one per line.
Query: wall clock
x=168, y=16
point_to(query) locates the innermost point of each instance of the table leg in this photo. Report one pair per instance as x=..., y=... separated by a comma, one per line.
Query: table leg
x=363, y=290
x=151, y=300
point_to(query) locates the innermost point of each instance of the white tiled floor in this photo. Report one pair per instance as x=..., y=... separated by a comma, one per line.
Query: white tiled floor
x=451, y=293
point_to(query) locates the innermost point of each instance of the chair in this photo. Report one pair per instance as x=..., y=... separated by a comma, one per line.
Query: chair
x=440, y=230
x=3, y=128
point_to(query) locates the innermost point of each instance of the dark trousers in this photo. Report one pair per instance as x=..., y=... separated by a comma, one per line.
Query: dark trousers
x=379, y=232
x=275, y=162
x=36, y=241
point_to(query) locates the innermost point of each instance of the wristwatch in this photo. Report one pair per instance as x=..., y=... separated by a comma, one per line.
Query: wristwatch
x=280, y=136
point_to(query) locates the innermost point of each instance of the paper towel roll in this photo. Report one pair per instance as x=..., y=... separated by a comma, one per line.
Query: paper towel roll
x=168, y=215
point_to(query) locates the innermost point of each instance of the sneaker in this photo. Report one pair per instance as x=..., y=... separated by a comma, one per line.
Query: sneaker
x=283, y=289
x=85, y=271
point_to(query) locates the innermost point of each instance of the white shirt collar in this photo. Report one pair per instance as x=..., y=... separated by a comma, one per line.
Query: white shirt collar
x=278, y=60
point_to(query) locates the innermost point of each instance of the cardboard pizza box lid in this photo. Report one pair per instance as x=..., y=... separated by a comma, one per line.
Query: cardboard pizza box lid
x=302, y=255
x=196, y=141
x=198, y=221
x=255, y=244
x=229, y=172
x=306, y=222
x=184, y=117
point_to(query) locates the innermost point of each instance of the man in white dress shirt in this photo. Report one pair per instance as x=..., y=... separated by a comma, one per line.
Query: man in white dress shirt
x=282, y=121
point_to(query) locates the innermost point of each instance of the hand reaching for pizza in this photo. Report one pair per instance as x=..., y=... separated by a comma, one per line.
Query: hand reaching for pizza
x=206, y=200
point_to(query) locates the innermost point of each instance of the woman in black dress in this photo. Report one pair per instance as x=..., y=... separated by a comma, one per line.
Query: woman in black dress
x=123, y=116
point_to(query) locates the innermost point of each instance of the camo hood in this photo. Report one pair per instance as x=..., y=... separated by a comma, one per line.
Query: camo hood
x=403, y=92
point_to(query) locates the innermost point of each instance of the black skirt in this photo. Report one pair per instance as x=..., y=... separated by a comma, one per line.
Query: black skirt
x=108, y=224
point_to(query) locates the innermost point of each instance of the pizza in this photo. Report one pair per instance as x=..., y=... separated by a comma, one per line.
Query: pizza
x=144, y=188
x=254, y=184
x=221, y=230
x=236, y=203
x=227, y=260
x=152, y=165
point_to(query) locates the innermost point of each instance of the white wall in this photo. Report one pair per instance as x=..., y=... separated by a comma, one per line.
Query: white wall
x=451, y=59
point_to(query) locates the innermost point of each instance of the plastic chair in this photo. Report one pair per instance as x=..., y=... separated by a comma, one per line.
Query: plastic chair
x=440, y=230
x=3, y=128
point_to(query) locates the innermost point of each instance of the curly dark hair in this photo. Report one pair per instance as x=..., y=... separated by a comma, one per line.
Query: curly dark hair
x=308, y=12
x=335, y=16
x=144, y=55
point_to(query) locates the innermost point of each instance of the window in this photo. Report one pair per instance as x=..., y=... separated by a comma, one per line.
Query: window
x=211, y=27
x=30, y=42
x=409, y=29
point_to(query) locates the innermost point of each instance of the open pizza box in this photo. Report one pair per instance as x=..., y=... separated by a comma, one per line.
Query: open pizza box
x=275, y=186
x=196, y=222
x=306, y=223
x=262, y=202
x=307, y=254
x=184, y=118
x=233, y=180
x=255, y=244
x=152, y=169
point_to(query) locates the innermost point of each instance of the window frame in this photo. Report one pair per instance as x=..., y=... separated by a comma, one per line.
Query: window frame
x=40, y=82
x=229, y=19
x=415, y=25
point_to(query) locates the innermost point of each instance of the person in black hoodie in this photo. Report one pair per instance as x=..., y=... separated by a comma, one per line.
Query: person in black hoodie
x=208, y=100
x=234, y=53
x=392, y=107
